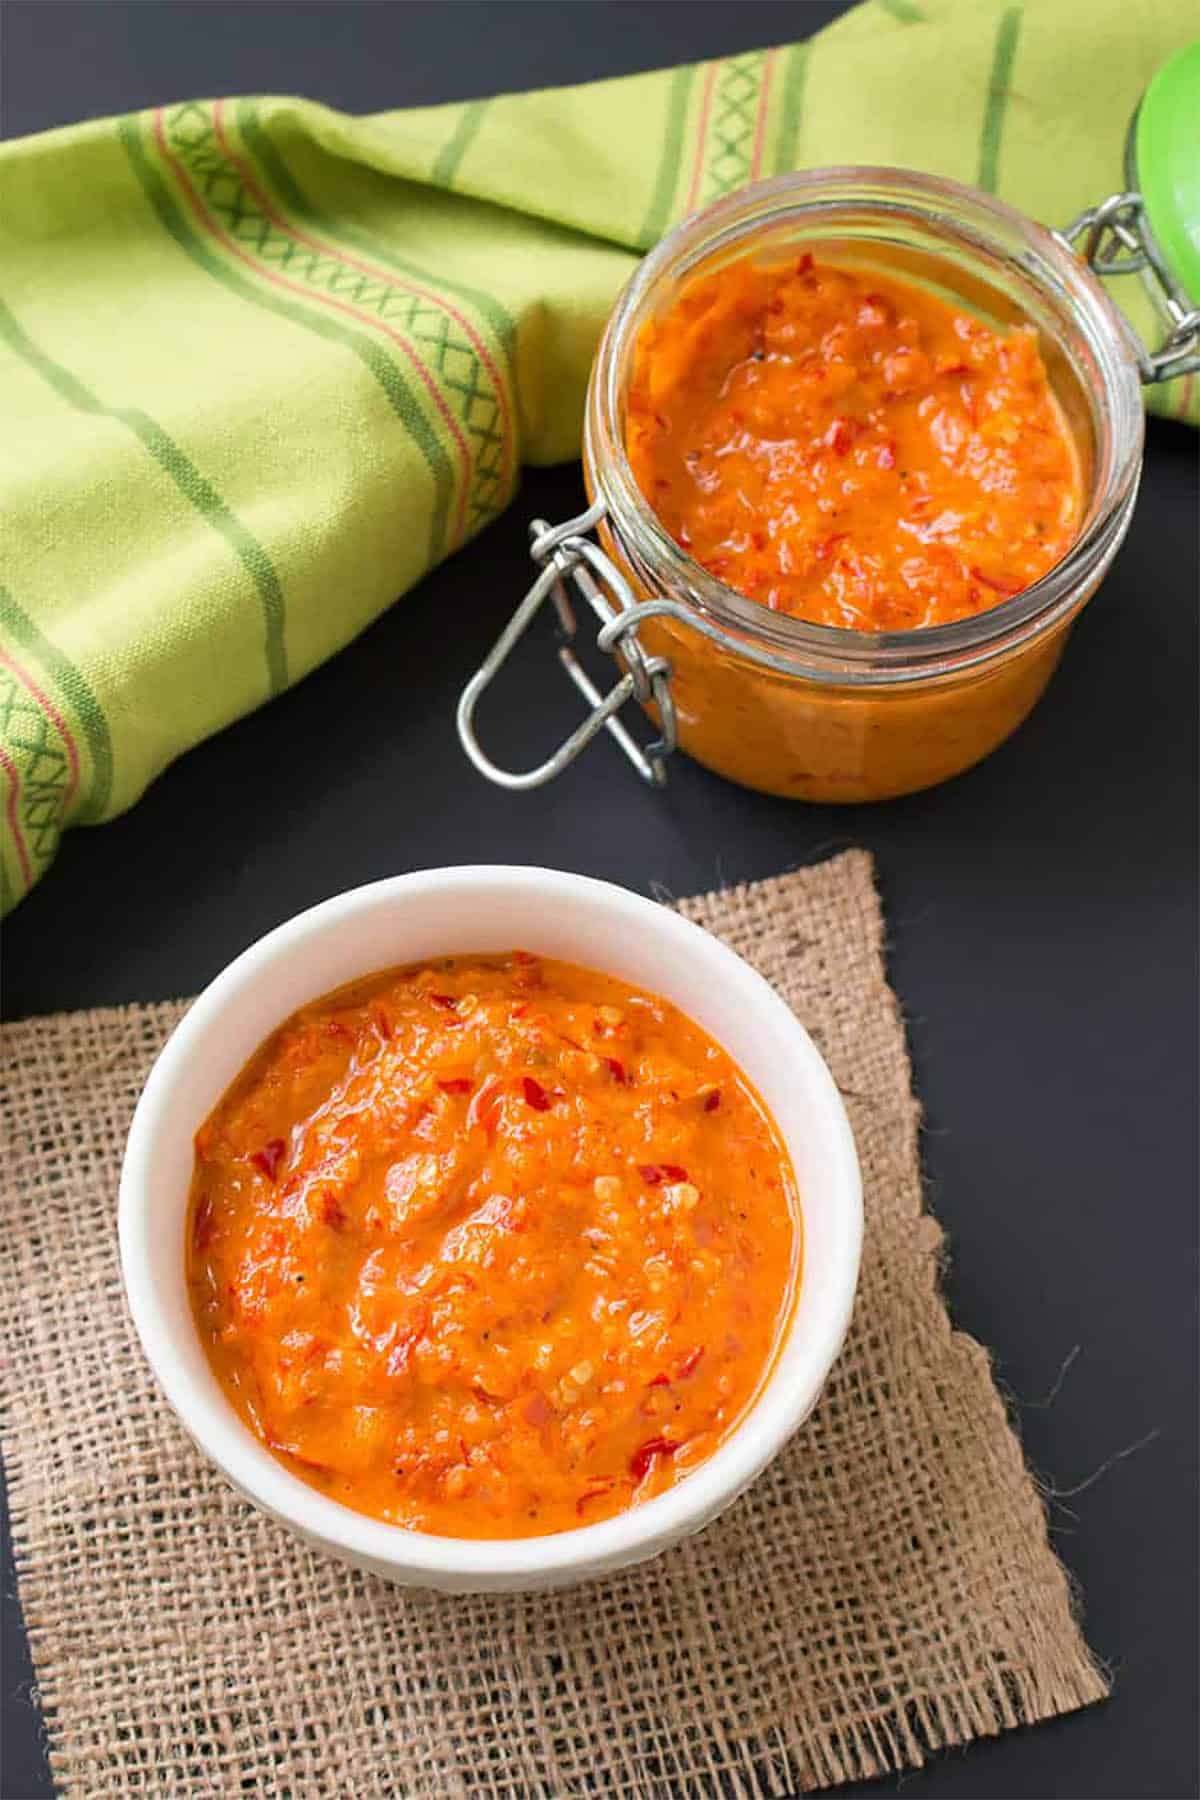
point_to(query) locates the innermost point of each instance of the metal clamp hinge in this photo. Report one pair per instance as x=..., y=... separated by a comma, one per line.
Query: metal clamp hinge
x=1115, y=238
x=564, y=555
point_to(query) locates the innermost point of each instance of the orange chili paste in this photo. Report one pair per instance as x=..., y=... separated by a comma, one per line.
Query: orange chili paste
x=491, y=1247
x=850, y=448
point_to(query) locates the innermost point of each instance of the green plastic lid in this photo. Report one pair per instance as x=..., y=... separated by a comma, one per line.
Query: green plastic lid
x=1166, y=164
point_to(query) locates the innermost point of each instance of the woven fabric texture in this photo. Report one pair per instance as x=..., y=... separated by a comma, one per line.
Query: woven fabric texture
x=885, y=1588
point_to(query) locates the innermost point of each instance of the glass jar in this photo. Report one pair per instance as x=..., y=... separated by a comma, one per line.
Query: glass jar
x=816, y=712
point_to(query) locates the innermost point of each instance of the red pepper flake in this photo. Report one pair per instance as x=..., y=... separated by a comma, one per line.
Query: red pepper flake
x=654, y=1174
x=535, y=1094
x=519, y=1010
x=456, y=1084
x=332, y=1212
x=335, y=1029
x=616, y=1069
x=202, y=1223
x=447, y=1001
x=523, y=957
x=840, y=436
x=683, y=1368
x=712, y=1101
x=804, y=263
x=886, y=456
x=640, y=1461
x=484, y=1109
x=383, y=1024
x=995, y=582
x=269, y=1158
x=597, y=1486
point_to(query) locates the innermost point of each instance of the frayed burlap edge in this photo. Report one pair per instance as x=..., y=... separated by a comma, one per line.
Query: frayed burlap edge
x=885, y=1589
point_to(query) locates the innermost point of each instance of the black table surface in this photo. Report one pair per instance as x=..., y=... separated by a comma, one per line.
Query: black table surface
x=1041, y=909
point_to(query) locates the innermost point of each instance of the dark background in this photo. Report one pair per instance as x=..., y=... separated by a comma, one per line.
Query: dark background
x=1042, y=909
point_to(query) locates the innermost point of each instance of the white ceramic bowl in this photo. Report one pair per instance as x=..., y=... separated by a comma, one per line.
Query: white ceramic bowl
x=443, y=912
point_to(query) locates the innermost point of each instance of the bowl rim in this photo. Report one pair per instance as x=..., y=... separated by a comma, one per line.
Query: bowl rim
x=637, y=1532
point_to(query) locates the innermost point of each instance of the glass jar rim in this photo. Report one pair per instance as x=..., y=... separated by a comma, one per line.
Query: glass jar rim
x=993, y=230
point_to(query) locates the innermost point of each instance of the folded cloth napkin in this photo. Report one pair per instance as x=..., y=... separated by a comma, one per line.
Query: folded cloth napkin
x=263, y=364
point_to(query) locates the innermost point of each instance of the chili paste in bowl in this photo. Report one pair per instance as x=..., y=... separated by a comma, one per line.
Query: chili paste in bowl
x=492, y=1246
x=487, y=1271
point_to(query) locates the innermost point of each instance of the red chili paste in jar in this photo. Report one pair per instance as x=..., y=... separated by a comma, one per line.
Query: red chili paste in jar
x=491, y=1247
x=851, y=448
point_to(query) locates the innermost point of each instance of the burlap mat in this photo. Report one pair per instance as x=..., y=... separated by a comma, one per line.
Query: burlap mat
x=885, y=1588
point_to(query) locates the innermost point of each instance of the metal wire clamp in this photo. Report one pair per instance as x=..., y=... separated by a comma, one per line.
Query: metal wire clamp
x=565, y=555
x=1117, y=240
